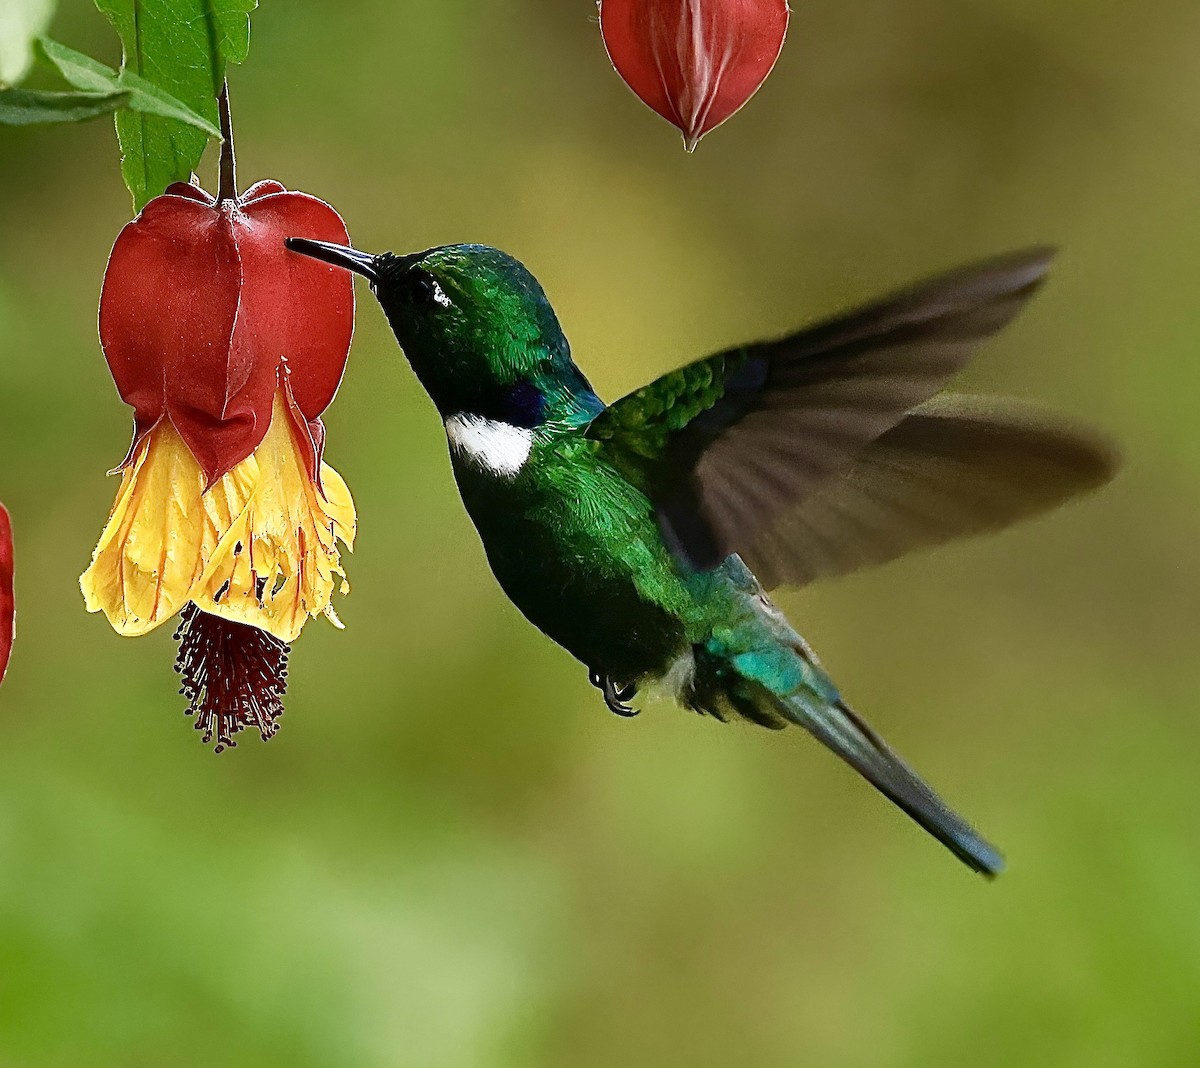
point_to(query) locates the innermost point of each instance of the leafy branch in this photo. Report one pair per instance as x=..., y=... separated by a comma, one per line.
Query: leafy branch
x=164, y=96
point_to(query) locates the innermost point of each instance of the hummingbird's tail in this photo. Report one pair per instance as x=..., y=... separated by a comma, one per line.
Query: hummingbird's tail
x=780, y=682
x=841, y=729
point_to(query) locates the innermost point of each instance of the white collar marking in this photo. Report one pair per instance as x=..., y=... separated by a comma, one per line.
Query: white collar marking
x=493, y=446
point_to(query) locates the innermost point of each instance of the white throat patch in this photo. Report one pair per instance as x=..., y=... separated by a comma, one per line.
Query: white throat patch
x=493, y=446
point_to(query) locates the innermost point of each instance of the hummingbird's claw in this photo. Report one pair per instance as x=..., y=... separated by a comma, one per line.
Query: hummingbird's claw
x=615, y=696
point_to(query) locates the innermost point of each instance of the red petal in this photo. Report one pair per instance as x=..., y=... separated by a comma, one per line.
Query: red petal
x=695, y=62
x=309, y=433
x=202, y=305
x=190, y=192
x=261, y=189
x=294, y=306
x=167, y=316
x=7, y=605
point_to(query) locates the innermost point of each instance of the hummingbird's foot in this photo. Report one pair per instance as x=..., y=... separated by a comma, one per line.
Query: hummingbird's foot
x=615, y=696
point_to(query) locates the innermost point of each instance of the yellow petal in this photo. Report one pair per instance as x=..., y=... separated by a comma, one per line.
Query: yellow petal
x=260, y=547
x=151, y=553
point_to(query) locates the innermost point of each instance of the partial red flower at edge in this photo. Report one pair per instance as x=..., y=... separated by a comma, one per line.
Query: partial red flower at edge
x=695, y=62
x=228, y=348
x=7, y=605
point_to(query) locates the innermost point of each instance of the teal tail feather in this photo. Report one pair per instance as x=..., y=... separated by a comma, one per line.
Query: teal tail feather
x=842, y=730
x=780, y=682
x=761, y=669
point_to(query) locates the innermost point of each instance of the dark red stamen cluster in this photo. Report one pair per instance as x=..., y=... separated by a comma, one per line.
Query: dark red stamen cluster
x=234, y=676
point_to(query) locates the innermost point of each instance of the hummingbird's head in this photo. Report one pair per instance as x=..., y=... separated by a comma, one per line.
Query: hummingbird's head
x=475, y=325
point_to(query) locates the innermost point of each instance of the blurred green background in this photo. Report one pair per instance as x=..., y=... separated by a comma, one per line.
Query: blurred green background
x=452, y=855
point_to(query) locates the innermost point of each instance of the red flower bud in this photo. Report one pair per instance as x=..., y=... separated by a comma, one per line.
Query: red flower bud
x=204, y=314
x=695, y=62
x=7, y=606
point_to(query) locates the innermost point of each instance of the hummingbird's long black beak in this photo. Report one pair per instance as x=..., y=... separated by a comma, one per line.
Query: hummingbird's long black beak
x=339, y=255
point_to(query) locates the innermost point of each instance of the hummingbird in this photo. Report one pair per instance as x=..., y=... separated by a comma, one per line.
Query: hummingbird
x=643, y=536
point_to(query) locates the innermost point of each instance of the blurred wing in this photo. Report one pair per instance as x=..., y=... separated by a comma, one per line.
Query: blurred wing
x=726, y=445
x=955, y=466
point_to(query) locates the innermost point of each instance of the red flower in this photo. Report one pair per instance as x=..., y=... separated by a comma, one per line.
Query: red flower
x=204, y=315
x=228, y=348
x=695, y=62
x=7, y=605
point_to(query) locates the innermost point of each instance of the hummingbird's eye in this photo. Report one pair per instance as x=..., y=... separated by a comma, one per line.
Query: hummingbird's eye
x=424, y=289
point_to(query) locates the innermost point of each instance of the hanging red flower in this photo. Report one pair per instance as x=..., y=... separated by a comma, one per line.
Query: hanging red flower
x=695, y=62
x=8, y=610
x=228, y=348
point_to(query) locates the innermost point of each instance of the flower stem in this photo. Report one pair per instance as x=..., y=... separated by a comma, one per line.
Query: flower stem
x=227, y=187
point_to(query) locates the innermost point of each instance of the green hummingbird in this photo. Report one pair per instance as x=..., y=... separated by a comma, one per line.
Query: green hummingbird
x=632, y=534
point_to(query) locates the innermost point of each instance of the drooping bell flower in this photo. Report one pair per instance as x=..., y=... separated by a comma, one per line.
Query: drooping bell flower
x=695, y=62
x=228, y=347
x=7, y=604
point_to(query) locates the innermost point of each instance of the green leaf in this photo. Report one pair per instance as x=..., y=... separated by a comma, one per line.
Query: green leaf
x=27, y=107
x=83, y=72
x=233, y=22
x=21, y=22
x=151, y=100
x=181, y=47
x=80, y=71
